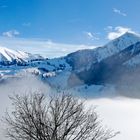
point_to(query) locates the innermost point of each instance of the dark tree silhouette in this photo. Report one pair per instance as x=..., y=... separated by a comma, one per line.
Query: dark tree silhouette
x=64, y=117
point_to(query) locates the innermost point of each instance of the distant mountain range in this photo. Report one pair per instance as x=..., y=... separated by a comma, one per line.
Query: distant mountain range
x=11, y=57
x=116, y=64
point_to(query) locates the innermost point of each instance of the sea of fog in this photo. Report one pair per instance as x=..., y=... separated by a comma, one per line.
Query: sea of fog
x=120, y=114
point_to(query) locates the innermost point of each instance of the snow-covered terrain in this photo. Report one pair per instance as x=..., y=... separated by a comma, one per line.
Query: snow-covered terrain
x=94, y=71
x=11, y=55
x=113, y=63
x=85, y=58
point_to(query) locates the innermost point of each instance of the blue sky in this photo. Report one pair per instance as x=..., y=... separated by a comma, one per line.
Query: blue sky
x=89, y=22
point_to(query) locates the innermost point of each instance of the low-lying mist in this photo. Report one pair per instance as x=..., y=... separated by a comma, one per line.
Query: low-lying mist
x=23, y=85
x=118, y=113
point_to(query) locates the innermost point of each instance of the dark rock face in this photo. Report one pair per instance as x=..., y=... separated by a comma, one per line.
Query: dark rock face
x=81, y=58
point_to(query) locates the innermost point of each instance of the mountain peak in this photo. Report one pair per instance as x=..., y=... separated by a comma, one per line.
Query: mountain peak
x=125, y=40
x=10, y=55
x=130, y=35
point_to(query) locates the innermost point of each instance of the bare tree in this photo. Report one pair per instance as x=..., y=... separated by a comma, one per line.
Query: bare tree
x=36, y=117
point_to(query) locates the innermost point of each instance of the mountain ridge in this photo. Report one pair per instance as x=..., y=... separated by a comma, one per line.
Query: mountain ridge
x=117, y=63
x=9, y=56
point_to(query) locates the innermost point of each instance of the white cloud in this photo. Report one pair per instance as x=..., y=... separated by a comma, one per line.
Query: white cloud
x=47, y=48
x=11, y=33
x=118, y=31
x=91, y=36
x=115, y=10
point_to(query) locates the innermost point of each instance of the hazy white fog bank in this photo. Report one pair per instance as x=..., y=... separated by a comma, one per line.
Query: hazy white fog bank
x=120, y=114
x=23, y=85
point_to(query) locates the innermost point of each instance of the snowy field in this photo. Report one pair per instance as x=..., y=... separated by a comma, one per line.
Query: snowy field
x=120, y=114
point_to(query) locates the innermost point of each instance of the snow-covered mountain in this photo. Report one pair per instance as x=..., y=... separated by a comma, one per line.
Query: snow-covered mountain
x=114, y=65
x=117, y=63
x=8, y=56
x=85, y=58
